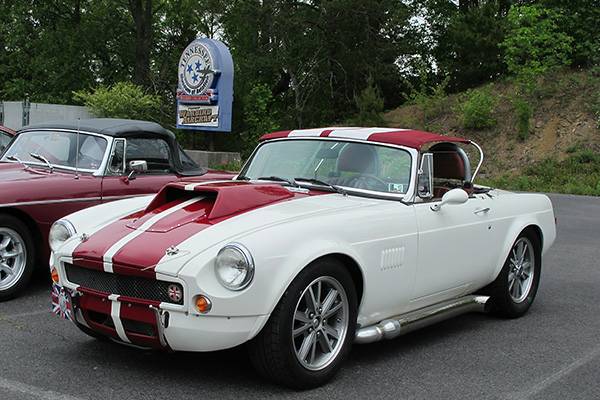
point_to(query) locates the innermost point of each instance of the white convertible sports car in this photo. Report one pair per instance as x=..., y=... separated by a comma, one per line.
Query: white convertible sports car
x=327, y=237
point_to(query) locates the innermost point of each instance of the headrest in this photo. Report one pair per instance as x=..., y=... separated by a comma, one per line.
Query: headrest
x=359, y=158
x=450, y=162
x=448, y=165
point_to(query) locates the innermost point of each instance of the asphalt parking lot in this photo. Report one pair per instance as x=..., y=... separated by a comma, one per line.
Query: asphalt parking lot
x=551, y=353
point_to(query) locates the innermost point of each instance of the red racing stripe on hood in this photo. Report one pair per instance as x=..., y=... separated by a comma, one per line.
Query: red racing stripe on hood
x=90, y=253
x=139, y=253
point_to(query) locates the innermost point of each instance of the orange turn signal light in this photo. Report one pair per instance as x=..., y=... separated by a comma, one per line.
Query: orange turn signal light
x=54, y=275
x=203, y=304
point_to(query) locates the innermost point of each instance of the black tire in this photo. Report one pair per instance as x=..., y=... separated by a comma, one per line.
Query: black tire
x=272, y=350
x=13, y=223
x=501, y=301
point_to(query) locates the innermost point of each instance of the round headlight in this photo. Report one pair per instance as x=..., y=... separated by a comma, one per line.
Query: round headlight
x=61, y=231
x=234, y=266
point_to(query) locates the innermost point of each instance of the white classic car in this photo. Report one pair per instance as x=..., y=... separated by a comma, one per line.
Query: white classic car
x=325, y=238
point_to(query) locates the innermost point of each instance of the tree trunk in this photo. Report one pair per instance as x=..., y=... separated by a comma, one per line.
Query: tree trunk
x=141, y=12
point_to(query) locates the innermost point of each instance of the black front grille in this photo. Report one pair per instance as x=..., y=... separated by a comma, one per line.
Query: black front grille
x=123, y=285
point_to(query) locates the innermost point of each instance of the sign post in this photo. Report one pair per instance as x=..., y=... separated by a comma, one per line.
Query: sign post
x=205, y=87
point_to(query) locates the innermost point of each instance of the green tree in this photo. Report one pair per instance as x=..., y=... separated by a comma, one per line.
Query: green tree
x=370, y=106
x=466, y=38
x=258, y=116
x=535, y=42
x=579, y=20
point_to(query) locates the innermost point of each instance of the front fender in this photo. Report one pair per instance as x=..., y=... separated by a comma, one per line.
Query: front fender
x=303, y=255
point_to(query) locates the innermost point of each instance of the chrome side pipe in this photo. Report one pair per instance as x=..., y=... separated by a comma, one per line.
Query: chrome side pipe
x=393, y=327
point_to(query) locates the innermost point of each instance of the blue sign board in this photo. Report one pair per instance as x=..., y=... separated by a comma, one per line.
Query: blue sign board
x=205, y=88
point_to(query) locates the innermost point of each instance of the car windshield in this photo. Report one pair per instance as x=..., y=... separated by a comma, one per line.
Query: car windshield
x=61, y=149
x=350, y=165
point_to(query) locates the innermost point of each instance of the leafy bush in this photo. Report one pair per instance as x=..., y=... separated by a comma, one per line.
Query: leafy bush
x=370, y=106
x=122, y=100
x=535, y=42
x=524, y=112
x=477, y=109
x=578, y=174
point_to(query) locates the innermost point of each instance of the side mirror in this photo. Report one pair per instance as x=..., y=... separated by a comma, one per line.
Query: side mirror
x=137, y=167
x=454, y=196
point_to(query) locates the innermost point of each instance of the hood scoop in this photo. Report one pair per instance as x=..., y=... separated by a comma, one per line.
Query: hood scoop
x=215, y=200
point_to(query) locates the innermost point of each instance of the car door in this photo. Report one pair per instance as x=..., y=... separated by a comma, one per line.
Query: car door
x=118, y=183
x=454, y=248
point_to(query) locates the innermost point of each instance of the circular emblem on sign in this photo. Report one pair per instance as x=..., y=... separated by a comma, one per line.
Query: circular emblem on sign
x=196, y=69
x=174, y=293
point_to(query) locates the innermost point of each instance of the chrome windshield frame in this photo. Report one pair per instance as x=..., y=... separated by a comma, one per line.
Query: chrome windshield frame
x=404, y=197
x=95, y=172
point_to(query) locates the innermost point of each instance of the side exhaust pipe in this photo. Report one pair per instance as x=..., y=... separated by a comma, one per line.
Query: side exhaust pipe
x=393, y=327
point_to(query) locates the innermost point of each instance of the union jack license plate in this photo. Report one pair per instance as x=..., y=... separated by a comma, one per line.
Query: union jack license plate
x=61, y=302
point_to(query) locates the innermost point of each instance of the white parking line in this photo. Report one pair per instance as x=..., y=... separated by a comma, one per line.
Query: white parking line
x=558, y=375
x=33, y=391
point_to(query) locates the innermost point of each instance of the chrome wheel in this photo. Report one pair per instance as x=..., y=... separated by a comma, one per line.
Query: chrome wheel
x=13, y=258
x=320, y=323
x=521, y=270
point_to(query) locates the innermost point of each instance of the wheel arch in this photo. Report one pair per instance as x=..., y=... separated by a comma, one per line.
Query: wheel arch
x=537, y=231
x=351, y=265
x=514, y=233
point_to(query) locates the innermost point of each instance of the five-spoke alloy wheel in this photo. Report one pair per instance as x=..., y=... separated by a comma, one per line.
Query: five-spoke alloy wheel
x=311, y=330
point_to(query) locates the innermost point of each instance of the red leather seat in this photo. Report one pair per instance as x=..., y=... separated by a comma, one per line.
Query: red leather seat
x=447, y=164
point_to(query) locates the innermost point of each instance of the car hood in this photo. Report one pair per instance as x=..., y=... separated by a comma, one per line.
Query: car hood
x=15, y=172
x=20, y=184
x=183, y=213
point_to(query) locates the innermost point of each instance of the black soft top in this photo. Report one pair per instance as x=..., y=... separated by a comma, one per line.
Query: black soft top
x=107, y=126
x=124, y=128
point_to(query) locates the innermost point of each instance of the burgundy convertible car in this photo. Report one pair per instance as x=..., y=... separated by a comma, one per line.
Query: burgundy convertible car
x=54, y=169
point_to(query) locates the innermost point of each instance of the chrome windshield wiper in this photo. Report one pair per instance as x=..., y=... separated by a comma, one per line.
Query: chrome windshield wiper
x=323, y=183
x=42, y=159
x=290, y=182
x=17, y=159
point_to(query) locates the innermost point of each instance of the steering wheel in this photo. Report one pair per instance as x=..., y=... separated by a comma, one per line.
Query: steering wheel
x=362, y=182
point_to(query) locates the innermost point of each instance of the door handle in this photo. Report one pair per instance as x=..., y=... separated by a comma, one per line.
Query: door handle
x=481, y=210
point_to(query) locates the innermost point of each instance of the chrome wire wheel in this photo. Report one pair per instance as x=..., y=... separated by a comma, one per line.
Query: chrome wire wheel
x=521, y=270
x=13, y=258
x=320, y=323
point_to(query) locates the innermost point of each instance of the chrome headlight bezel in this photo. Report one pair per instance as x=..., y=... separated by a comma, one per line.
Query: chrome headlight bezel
x=61, y=227
x=245, y=261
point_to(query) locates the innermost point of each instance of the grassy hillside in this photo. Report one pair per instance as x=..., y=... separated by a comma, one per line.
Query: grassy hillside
x=548, y=140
